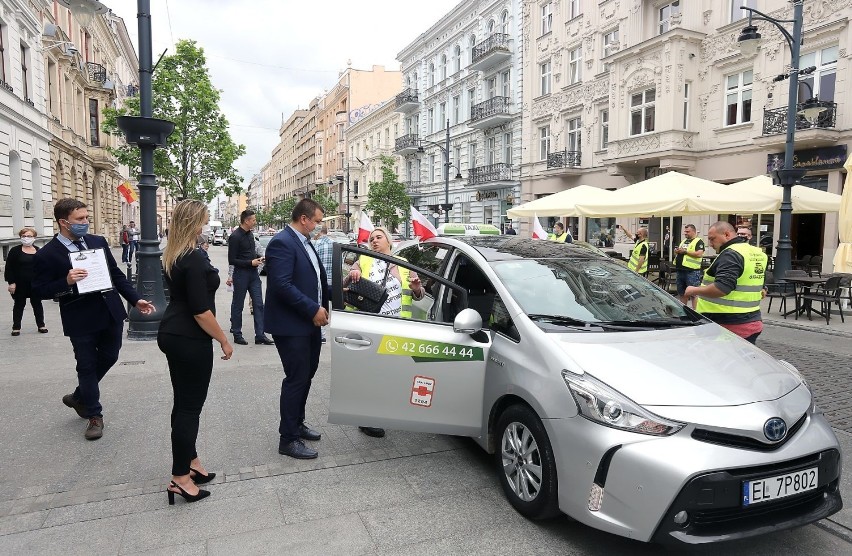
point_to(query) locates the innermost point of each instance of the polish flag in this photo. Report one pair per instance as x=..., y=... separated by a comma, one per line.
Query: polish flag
x=422, y=227
x=365, y=228
x=538, y=231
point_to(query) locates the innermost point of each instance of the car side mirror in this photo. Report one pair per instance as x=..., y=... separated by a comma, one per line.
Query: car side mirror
x=468, y=321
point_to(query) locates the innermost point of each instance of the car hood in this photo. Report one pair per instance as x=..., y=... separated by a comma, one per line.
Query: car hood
x=703, y=365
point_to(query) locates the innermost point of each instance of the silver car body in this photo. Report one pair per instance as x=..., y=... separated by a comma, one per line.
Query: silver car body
x=718, y=385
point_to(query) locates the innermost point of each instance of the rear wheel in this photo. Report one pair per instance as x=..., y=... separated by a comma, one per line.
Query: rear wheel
x=525, y=463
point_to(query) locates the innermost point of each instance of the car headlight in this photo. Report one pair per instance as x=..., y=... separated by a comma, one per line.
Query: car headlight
x=602, y=404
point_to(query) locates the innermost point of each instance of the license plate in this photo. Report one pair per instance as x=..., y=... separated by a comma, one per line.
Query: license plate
x=780, y=486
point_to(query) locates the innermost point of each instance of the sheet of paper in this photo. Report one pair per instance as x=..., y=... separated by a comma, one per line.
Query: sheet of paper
x=94, y=261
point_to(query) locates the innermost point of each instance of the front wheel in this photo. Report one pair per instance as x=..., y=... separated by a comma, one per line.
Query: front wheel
x=525, y=463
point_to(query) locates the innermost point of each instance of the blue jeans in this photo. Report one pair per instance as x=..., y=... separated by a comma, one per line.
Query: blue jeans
x=125, y=248
x=246, y=280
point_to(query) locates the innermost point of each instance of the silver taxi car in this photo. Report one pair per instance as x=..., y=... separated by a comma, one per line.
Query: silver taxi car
x=599, y=394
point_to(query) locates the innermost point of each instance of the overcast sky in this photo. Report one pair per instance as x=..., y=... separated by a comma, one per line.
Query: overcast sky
x=272, y=56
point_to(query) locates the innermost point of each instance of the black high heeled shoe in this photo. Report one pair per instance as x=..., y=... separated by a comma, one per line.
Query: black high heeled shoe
x=184, y=494
x=200, y=478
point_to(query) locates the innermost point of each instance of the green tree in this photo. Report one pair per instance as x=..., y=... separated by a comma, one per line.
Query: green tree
x=197, y=162
x=326, y=201
x=387, y=198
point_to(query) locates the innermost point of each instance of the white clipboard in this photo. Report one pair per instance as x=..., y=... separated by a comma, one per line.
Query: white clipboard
x=94, y=261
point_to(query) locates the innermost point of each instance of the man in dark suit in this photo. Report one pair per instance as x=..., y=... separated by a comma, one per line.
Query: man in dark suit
x=297, y=298
x=94, y=322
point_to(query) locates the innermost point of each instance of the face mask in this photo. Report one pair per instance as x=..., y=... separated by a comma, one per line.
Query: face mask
x=27, y=241
x=78, y=230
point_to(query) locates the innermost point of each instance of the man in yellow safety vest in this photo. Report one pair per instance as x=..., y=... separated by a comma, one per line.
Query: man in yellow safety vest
x=560, y=234
x=638, y=262
x=688, y=262
x=732, y=287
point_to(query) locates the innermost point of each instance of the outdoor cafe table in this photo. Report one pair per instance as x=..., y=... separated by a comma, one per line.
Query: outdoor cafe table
x=806, y=283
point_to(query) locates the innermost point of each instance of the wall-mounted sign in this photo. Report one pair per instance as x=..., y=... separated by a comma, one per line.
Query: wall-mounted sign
x=510, y=199
x=486, y=195
x=822, y=158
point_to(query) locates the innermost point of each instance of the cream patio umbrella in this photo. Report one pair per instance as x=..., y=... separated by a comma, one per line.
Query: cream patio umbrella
x=559, y=204
x=805, y=199
x=843, y=256
x=673, y=194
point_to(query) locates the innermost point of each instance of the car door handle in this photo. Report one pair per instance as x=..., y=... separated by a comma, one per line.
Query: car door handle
x=352, y=341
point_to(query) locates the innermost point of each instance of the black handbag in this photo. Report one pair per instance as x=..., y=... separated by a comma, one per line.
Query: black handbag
x=366, y=295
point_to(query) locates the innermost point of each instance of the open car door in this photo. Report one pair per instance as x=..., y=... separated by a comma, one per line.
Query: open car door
x=415, y=374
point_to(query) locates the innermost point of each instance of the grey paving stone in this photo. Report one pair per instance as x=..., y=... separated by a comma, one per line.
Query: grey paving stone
x=187, y=523
x=344, y=534
x=107, y=508
x=23, y=522
x=102, y=536
x=193, y=549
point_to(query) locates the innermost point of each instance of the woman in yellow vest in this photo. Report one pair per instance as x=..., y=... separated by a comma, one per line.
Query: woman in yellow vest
x=403, y=287
x=732, y=287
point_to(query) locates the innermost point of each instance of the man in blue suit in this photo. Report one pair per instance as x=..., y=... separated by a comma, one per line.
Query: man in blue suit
x=297, y=297
x=94, y=322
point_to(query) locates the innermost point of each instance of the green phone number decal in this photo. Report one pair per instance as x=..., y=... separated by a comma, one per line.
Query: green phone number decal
x=425, y=350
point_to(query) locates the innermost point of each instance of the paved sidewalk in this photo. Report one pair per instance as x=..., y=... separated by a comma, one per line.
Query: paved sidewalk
x=404, y=494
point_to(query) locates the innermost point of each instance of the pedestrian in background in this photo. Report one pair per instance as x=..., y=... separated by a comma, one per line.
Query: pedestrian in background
x=745, y=233
x=325, y=249
x=297, y=294
x=134, y=241
x=19, y=275
x=125, y=244
x=688, y=262
x=94, y=322
x=186, y=333
x=732, y=287
x=638, y=262
x=242, y=254
x=510, y=231
x=560, y=234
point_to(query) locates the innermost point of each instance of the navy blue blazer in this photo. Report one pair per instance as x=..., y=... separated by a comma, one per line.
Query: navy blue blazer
x=87, y=313
x=291, y=287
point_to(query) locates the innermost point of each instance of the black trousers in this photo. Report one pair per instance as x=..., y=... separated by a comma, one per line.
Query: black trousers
x=18, y=309
x=95, y=353
x=190, y=367
x=300, y=357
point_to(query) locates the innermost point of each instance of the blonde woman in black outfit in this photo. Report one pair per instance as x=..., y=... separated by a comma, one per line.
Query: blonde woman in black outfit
x=189, y=325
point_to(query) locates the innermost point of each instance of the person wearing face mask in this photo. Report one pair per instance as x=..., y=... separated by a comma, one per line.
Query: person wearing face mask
x=94, y=322
x=325, y=248
x=19, y=276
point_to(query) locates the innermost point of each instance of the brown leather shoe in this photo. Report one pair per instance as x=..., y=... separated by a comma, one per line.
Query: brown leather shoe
x=75, y=404
x=95, y=429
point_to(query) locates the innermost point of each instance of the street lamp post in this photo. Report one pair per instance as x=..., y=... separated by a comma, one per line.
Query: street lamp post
x=445, y=149
x=786, y=176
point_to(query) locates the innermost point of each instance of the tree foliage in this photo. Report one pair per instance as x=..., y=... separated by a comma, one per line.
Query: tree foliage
x=197, y=162
x=387, y=199
x=281, y=212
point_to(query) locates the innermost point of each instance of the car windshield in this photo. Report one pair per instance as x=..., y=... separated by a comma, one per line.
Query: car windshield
x=580, y=292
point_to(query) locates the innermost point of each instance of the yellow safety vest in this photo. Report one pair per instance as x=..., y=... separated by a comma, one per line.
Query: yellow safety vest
x=366, y=264
x=746, y=296
x=689, y=261
x=558, y=239
x=633, y=263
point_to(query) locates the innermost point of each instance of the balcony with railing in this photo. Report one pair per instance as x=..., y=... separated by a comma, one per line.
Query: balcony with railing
x=491, y=176
x=407, y=144
x=407, y=101
x=563, y=159
x=819, y=132
x=490, y=113
x=491, y=51
x=413, y=188
x=97, y=73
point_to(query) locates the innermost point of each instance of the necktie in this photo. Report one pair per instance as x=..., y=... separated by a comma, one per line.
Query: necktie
x=79, y=245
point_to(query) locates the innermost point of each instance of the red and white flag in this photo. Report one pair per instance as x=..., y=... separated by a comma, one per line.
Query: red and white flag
x=365, y=228
x=422, y=227
x=538, y=231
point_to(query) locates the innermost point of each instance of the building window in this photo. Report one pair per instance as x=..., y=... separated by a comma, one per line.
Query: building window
x=471, y=42
x=604, y=121
x=822, y=80
x=431, y=73
x=93, y=123
x=3, y=31
x=456, y=109
x=395, y=131
x=610, y=45
x=575, y=66
x=457, y=157
x=575, y=135
x=738, y=98
x=25, y=77
x=457, y=59
x=504, y=23
x=666, y=13
x=490, y=27
x=507, y=148
x=642, y=112
x=471, y=98
x=52, y=88
x=544, y=71
x=547, y=18
x=471, y=155
x=491, y=85
x=506, y=83
x=430, y=121
x=431, y=167
x=490, y=150
x=738, y=14
x=443, y=66
x=573, y=8
x=686, y=90
x=442, y=115
x=543, y=142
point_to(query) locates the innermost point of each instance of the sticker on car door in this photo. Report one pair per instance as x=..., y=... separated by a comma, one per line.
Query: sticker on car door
x=422, y=390
x=422, y=351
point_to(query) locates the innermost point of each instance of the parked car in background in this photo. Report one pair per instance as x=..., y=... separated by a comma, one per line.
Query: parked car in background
x=263, y=240
x=219, y=237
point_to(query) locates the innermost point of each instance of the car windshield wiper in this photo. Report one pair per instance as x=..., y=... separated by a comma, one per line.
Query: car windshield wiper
x=653, y=323
x=577, y=324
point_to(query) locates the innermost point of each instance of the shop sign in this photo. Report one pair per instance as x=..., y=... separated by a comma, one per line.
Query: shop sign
x=822, y=158
x=486, y=195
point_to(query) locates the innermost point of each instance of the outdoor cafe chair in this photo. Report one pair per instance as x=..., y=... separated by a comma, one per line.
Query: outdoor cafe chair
x=827, y=294
x=780, y=289
x=815, y=264
x=801, y=264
